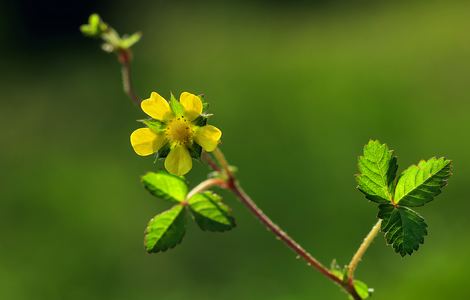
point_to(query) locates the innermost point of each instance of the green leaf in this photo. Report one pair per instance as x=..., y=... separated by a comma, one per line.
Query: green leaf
x=210, y=213
x=404, y=228
x=155, y=125
x=377, y=169
x=95, y=26
x=420, y=183
x=176, y=106
x=165, y=230
x=362, y=289
x=166, y=186
x=129, y=41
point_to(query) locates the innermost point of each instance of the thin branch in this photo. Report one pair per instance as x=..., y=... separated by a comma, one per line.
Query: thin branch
x=212, y=164
x=124, y=58
x=362, y=250
x=205, y=185
x=236, y=189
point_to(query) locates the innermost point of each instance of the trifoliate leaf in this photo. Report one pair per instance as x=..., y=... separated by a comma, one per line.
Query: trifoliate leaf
x=377, y=169
x=420, y=183
x=166, y=186
x=404, y=228
x=210, y=213
x=166, y=230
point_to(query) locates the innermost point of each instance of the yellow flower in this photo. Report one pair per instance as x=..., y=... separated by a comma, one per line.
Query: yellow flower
x=177, y=130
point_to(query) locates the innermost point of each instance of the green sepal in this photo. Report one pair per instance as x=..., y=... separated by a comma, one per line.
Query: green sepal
x=210, y=213
x=176, y=106
x=155, y=125
x=195, y=150
x=377, y=167
x=163, y=151
x=404, y=228
x=165, y=230
x=166, y=186
x=205, y=104
x=201, y=120
x=419, y=184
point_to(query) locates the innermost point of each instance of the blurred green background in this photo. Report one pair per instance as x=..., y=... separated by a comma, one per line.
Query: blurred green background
x=297, y=89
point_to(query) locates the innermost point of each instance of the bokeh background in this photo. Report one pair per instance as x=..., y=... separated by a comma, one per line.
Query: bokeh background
x=297, y=88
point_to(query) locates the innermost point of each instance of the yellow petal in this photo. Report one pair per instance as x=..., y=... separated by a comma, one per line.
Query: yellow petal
x=157, y=107
x=192, y=105
x=208, y=137
x=146, y=142
x=178, y=161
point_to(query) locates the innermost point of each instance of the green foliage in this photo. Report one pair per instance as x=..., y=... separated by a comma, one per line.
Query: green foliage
x=404, y=228
x=129, y=41
x=420, y=183
x=361, y=288
x=166, y=186
x=377, y=169
x=96, y=28
x=210, y=213
x=166, y=230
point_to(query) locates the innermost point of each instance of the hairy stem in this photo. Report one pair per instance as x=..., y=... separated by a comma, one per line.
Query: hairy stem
x=231, y=183
x=205, y=185
x=236, y=189
x=124, y=58
x=362, y=250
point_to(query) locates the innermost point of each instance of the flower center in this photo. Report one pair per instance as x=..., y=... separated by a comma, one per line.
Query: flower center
x=179, y=130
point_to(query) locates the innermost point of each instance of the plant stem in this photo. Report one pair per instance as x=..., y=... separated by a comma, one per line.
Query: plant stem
x=362, y=250
x=124, y=58
x=206, y=184
x=236, y=189
x=231, y=183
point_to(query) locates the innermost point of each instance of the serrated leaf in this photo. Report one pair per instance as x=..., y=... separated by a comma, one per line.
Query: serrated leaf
x=377, y=167
x=210, y=213
x=166, y=186
x=404, y=228
x=419, y=184
x=165, y=230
